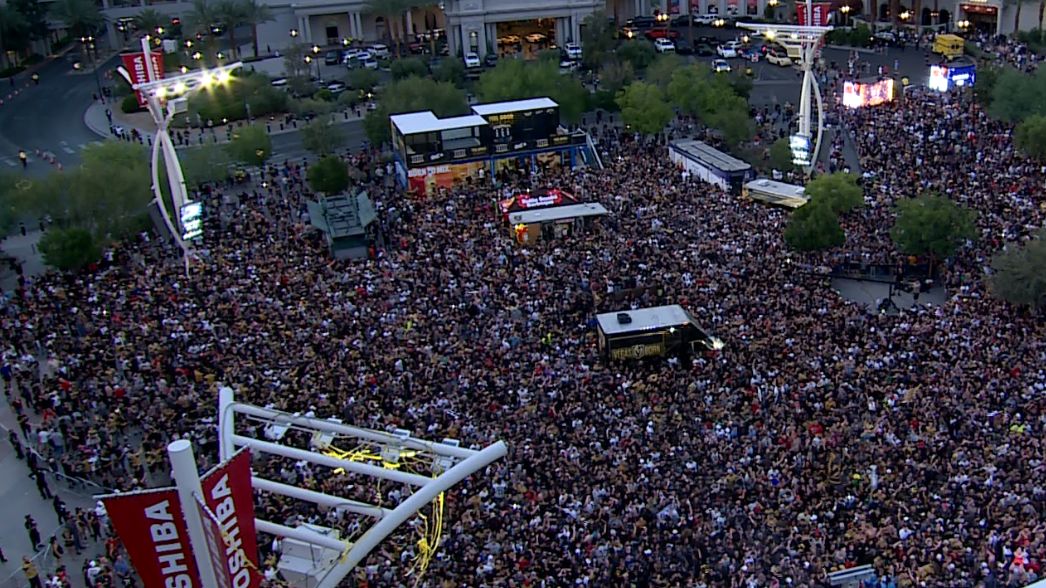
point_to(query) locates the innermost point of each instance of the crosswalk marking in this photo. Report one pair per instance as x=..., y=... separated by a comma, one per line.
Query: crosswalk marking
x=68, y=150
x=96, y=143
x=83, y=146
x=10, y=162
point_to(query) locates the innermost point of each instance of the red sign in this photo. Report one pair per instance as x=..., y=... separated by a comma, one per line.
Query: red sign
x=215, y=545
x=228, y=494
x=152, y=528
x=135, y=65
x=821, y=11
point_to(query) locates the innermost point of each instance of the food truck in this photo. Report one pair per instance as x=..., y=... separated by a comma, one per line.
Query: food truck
x=949, y=46
x=654, y=331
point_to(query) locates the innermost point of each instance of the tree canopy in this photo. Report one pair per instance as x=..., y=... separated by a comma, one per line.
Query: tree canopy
x=712, y=99
x=1030, y=136
x=932, y=225
x=1017, y=95
x=814, y=227
x=69, y=248
x=1019, y=273
x=643, y=106
x=597, y=38
x=250, y=145
x=515, y=79
x=322, y=137
x=662, y=69
x=410, y=95
x=838, y=191
x=638, y=52
x=329, y=175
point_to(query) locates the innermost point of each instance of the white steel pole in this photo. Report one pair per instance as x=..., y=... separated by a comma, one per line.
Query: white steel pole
x=226, y=422
x=147, y=55
x=187, y=481
x=408, y=507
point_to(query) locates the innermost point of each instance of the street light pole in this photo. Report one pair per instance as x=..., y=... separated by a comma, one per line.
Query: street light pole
x=88, y=44
x=165, y=98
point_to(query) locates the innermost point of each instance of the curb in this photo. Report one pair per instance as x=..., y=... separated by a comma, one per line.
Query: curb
x=103, y=133
x=849, y=48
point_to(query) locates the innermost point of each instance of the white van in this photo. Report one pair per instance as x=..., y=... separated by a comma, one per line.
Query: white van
x=775, y=193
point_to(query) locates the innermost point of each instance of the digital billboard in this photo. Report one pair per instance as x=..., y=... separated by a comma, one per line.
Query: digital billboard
x=858, y=94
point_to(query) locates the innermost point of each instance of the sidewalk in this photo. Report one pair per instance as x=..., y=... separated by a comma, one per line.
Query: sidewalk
x=96, y=120
x=23, y=248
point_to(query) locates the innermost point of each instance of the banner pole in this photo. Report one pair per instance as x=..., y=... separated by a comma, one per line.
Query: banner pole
x=187, y=481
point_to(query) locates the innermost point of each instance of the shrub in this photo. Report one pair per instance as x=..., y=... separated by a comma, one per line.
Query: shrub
x=129, y=103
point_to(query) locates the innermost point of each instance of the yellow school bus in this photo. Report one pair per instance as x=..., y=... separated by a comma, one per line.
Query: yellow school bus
x=949, y=46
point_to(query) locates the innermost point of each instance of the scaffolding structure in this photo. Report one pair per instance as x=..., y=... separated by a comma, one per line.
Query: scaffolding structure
x=319, y=557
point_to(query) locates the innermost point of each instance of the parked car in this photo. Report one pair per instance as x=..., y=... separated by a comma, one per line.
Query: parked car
x=684, y=20
x=641, y=22
x=778, y=56
x=661, y=34
x=379, y=51
x=508, y=40
x=332, y=58
x=704, y=49
x=720, y=66
x=279, y=83
x=472, y=60
x=705, y=19
x=885, y=37
x=490, y=59
x=369, y=62
x=729, y=49
x=683, y=47
x=567, y=66
x=573, y=50
x=664, y=46
x=348, y=55
x=536, y=38
x=337, y=87
x=417, y=47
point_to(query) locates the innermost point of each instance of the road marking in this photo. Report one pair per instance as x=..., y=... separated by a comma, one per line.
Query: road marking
x=62, y=143
x=82, y=146
x=68, y=150
x=97, y=143
x=10, y=162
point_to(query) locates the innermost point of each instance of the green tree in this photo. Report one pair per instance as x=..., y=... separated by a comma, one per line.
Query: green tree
x=638, y=52
x=984, y=85
x=255, y=14
x=35, y=14
x=1030, y=136
x=515, y=79
x=393, y=12
x=363, y=79
x=661, y=70
x=250, y=145
x=839, y=192
x=149, y=20
x=321, y=137
x=1017, y=96
x=615, y=75
x=597, y=38
x=12, y=200
x=813, y=227
x=69, y=248
x=204, y=164
x=199, y=20
x=81, y=17
x=409, y=66
x=14, y=33
x=781, y=155
x=410, y=95
x=1019, y=273
x=230, y=14
x=451, y=71
x=329, y=175
x=932, y=225
x=643, y=106
x=712, y=99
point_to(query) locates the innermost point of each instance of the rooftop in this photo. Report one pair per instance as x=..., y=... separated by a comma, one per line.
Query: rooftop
x=710, y=155
x=643, y=319
x=427, y=122
x=514, y=106
x=557, y=213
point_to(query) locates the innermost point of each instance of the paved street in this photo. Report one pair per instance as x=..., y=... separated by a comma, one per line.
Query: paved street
x=48, y=117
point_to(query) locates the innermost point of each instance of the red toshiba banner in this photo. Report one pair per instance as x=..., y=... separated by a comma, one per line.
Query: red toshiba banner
x=135, y=65
x=152, y=528
x=821, y=11
x=227, y=493
x=215, y=545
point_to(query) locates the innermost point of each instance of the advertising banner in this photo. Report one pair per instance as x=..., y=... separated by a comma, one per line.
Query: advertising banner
x=227, y=493
x=213, y=531
x=151, y=526
x=821, y=11
x=135, y=65
x=425, y=180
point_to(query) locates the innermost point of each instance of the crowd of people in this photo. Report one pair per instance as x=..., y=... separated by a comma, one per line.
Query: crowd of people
x=822, y=436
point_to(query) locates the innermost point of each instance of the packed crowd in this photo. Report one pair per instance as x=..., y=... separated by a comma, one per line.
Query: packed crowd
x=821, y=436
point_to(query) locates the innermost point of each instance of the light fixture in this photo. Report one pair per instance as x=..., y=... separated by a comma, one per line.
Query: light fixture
x=161, y=92
x=220, y=55
x=294, y=32
x=188, y=43
x=224, y=76
x=308, y=59
x=344, y=42
x=315, y=49
x=180, y=88
x=159, y=30
x=770, y=34
x=184, y=69
x=197, y=55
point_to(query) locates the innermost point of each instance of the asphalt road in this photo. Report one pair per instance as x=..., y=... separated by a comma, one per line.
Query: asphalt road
x=48, y=116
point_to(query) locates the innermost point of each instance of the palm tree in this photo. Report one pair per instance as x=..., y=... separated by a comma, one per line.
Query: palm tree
x=81, y=17
x=149, y=20
x=12, y=26
x=231, y=14
x=199, y=20
x=255, y=14
x=393, y=11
